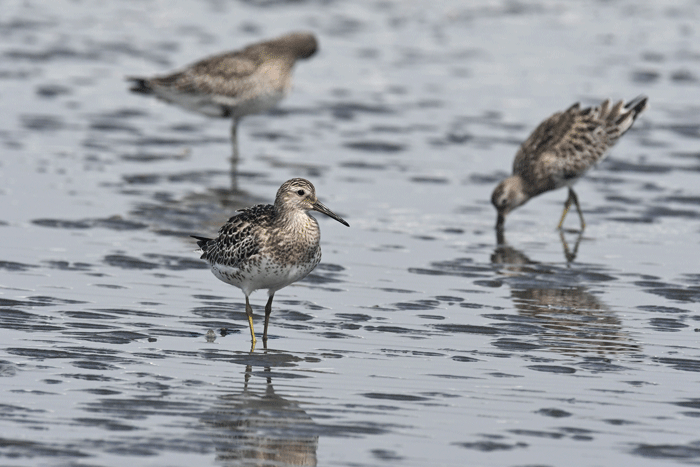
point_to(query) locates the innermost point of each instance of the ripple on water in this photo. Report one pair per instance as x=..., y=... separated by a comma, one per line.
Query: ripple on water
x=7, y=369
x=112, y=223
x=466, y=329
x=464, y=359
x=667, y=324
x=600, y=364
x=688, y=130
x=655, y=212
x=355, y=317
x=350, y=110
x=376, y=146
x=683, y=364
x=111, y=337
x=417, y=305
x=515, y=345
x=668, y=451
x=395, y=330
x=460, y=267
x=690, y=404
x=43, y=123
x=662, y=309
x=11, y=318
x=395, y=397
x=52, y=90
x=15, y=267
x=490, y=446
x=553, y=412
x=20, y=448
x=553, y=369
x=671, y=291
x=158, y=261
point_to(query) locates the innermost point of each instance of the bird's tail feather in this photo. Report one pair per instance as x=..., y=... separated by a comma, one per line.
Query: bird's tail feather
x=201, y=241
x=637, y=105
x=140, y=85
x=622, y=117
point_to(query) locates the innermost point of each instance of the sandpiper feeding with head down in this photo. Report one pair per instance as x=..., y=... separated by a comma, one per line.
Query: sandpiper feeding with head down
x=269, y=246
x=234, y=84
x=561, y=150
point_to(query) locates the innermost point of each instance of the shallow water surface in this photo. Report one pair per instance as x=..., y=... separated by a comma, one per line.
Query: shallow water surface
x=419, y=339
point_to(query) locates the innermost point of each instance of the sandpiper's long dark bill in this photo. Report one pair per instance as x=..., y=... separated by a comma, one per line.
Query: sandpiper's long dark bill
x=269, y=246
x=561, y=150
x=234, y=84
x=318, y=206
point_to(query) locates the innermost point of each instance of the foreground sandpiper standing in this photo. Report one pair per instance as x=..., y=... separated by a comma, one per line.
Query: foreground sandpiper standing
x=234, y=84
x=563, y=148
x=269, y=246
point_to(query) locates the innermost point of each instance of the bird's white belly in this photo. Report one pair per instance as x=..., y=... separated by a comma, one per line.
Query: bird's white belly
x=211, y=104
x=201, y=103
x=264, y=274
x=252, y=105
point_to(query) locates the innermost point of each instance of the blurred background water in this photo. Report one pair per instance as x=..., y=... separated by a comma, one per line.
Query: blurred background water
x=418, y=340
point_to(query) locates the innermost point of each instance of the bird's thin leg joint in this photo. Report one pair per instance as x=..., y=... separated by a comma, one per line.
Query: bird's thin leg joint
x=572, y=199
x=234, y=144
x=578, y=208
x=249, y=314
x=268, y=310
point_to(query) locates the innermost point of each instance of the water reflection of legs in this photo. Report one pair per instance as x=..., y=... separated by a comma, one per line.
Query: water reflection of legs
x=568, y=254
x=259, y=427
x=252, y=346
x=506, y=254
x=246, y=378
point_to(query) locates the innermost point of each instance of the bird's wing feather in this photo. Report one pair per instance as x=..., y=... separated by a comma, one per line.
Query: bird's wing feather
x=238, y=239
x=567, y=144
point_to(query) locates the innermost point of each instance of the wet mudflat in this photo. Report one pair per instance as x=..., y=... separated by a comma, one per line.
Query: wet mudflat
x=418, y=340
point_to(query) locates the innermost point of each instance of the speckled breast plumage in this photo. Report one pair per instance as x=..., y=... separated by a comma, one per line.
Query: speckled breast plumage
x=258, y=249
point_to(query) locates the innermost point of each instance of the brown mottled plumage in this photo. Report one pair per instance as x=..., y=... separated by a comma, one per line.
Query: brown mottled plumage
x=234, y=84
x=562, y=149
x=269, y=246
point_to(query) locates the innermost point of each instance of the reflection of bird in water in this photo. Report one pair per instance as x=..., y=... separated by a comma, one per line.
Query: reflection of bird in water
x=262, y=429
x=512, y=258
x=269, y=246
x=561, y=150
x=234, y=84
x=506, y=254
x=574, y=319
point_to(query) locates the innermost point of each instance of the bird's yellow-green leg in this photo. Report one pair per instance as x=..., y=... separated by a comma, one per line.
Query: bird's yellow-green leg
x=249, y=313
x=578, y=208
x=572, y=199
x=567, y=205
x=268, y=310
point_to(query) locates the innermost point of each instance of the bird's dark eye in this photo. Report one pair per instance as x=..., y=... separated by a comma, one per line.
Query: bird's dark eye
x=300, y=192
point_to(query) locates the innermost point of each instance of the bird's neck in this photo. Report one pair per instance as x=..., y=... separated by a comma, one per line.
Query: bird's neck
x=299, y=222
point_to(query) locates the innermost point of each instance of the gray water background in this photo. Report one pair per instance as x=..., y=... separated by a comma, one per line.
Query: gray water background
x=417, y=341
